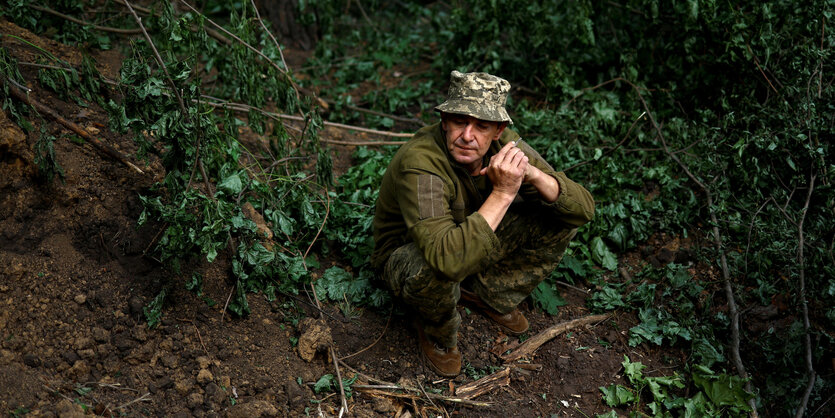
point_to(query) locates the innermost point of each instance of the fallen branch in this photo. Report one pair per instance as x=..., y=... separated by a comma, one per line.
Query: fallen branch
x=583, y=291
x=390, y=390
x=334, y=358
x=282, y=71
x=382, y=384
x=532, y=344
x=275, y=41
x=726, y=275
x=83, y=23
x=485, y=384
x=95, y=142
x=412, y=120
x=278, y=116
x=361, y=143
x=430, y=399
x=810, y=369
x=344, y=408
x=211, y=32
x=186, y=115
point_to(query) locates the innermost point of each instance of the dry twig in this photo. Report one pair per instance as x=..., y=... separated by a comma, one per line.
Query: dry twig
x=384, y=385
x=375, y=341
x=83, y=23
x=532, y=344
x=803, y=303
x=98, y=144
x=279, y=117
x=390, y=390
x=334, y=358
x=277, y=46
x=486, y=384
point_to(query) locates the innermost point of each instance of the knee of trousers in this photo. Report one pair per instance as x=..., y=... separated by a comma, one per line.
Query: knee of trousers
x=413, y=281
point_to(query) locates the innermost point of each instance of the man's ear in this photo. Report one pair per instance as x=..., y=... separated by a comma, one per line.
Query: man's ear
x=502, y=125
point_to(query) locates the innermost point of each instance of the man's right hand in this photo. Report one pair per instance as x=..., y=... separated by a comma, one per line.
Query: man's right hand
x=507, y=170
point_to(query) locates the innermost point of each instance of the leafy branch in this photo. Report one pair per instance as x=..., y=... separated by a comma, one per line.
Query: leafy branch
x=717, y=237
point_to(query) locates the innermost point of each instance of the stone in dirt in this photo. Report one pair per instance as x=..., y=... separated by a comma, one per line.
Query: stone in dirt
x=296, y=395
x=204, y=376
x=256, y=408
x=315, y=337
x=194, y=400
x=263, y=229
x=67, y=409
x=17, y=155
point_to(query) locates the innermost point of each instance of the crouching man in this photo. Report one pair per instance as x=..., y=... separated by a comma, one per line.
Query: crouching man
x=469, y=213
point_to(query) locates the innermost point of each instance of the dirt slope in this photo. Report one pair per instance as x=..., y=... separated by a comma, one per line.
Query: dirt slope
x=74, y=280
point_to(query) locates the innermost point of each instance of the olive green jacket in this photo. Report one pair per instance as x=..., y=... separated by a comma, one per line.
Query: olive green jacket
x=427, y=198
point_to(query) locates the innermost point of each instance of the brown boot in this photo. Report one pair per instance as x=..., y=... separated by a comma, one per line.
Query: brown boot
x=513, y=322
x=444, y=361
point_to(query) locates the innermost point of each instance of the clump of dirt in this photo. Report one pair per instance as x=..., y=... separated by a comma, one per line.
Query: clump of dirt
x=75, y=280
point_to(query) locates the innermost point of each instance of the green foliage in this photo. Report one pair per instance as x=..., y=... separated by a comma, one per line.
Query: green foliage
x=328, y=383
x=153, y=311
x=48, y=166
x=338, y=284
x=352, y=205
x=719, y=395
x=475, y=373
x=10, y=72
x=671, y=309
x=607, y=298
x=547, y=298
x=70, y=83
x=210, y=174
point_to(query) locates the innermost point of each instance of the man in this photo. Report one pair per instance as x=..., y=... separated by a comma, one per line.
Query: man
x=468, y=212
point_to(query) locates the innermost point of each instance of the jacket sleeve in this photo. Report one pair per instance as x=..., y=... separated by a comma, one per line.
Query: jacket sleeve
x=574, y=205
x=452, y=250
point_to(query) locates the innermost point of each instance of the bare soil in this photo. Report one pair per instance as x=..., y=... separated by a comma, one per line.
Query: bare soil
x=74, y=280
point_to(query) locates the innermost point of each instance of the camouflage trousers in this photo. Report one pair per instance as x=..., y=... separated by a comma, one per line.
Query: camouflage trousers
x=532, y=243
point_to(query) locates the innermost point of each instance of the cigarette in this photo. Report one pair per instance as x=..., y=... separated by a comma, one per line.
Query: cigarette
x=516, y=142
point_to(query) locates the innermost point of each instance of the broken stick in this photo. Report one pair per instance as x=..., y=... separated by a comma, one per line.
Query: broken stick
x=528, y=347
x=484, y=385
x=394, y=392
x=101, y=146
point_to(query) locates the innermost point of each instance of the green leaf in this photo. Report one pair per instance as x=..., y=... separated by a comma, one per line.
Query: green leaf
x=722, y=389
x=548, y=299
x=606, y=299
x=602, y=255
x=325, y=383
x=231, y=185
x=617, y=395
x=633, y=370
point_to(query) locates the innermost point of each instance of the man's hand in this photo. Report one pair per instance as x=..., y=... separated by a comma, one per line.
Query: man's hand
x=546, y=185
x=507, y=169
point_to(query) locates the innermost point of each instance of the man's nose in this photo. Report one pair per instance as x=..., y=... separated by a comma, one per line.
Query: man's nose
x=469, y=132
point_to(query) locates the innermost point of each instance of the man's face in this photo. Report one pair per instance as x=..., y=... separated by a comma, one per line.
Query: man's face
x=468, y=138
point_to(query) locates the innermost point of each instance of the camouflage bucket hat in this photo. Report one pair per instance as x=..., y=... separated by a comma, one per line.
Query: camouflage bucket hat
x=479, y=95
